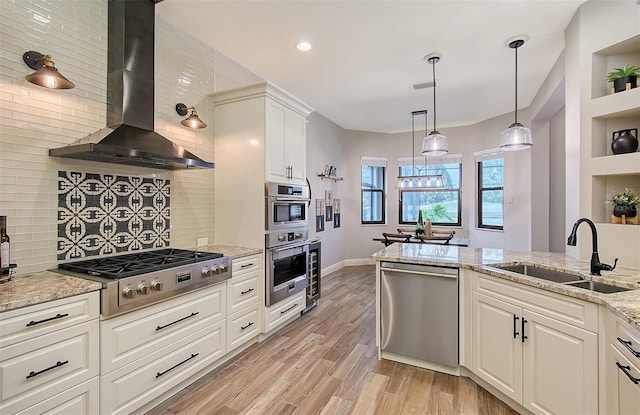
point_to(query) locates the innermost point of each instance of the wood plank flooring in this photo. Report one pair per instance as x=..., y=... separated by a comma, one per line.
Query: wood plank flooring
x=326, y=363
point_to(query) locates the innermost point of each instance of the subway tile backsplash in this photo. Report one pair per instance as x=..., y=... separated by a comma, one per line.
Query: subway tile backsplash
x=106, y=214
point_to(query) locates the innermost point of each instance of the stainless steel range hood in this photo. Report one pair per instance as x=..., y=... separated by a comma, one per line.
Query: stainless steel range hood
x=130, y=138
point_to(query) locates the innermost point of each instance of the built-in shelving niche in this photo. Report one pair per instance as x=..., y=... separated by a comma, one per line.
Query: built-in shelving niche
x=609, y=58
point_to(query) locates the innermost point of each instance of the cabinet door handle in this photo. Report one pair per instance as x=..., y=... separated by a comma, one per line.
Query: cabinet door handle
x=33, y=374
x=625, y=370
x=289, y=309
x=627, y=344
x=246, y=291
x=249, y=324
x=57, y=316
x=193, y=355
x=515, y=330
x=524, y=321
x=177, y=321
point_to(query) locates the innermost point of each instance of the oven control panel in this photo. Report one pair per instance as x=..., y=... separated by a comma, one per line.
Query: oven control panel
x=150, y=287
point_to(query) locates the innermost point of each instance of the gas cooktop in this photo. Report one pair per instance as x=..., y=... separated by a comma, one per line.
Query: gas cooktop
x=127, y=265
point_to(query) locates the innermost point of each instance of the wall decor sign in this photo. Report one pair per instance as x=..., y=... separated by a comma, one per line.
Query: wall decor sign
x=319, y=215
x=336, y=213
x=101, y=214
x=328, y=205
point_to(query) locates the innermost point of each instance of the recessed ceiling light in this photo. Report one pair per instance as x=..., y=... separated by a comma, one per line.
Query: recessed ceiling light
x=303, y=46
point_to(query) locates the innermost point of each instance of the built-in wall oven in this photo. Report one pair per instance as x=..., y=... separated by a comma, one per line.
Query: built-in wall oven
x=287, y=264
x=286, y=206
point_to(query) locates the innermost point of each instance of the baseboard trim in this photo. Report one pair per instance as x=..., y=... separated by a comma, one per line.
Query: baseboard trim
x=347, y=263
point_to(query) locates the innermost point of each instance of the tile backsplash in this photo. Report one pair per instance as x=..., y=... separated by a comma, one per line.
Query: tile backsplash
x=105, y=214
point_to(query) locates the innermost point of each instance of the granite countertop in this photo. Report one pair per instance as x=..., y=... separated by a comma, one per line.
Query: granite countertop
x=40, y=287
x=624, y=304
x=231, y=251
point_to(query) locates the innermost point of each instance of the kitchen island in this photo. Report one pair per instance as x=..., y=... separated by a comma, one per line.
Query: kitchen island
x=540, y=345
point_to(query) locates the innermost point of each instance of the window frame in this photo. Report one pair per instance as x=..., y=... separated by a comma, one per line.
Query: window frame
x=382, y=193
x=401, y=193
x=482, y=189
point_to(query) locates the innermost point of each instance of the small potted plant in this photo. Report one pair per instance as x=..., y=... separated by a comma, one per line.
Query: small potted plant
x=624, y=204
x=623, y=76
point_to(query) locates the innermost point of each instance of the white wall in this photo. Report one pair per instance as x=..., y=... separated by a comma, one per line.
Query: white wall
x=325, y=144
x=557, y=184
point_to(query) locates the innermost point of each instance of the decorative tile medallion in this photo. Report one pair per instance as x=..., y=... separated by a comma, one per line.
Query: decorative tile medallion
x=101, y=214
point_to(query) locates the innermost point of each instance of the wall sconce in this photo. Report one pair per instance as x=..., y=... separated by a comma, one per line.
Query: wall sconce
x=45, y=74
x=192, y=121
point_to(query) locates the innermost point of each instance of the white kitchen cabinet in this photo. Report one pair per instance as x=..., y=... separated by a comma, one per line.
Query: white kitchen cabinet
x=538, y=348
x=621, y=367
x=146, y=353
x=48, y=350
x=244, y=301
x=81, y=399
x=285, y=144
x=283, y=311
x=260, y=135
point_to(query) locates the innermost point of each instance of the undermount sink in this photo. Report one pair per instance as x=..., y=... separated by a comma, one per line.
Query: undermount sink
x=542, y=273
x=563, y=278
x=599, y=287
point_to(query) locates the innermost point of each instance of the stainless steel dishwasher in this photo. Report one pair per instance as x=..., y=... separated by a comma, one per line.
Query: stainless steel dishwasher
x=419, y=312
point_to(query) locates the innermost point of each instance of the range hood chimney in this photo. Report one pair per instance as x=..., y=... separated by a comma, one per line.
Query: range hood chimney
x=130, y=137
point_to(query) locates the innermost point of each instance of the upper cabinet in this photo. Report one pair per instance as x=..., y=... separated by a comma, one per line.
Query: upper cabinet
x=286, y=143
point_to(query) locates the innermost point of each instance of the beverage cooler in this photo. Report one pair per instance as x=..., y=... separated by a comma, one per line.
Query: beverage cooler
x=313, y=290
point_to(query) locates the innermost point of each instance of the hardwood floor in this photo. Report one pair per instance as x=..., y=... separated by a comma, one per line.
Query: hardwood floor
x=326, y=363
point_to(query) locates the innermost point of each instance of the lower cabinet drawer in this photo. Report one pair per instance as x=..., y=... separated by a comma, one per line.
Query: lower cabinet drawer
x=37, y=369
x=79, y=400
x=244, y=291
x=243, y=326
x=125, y=390
x=283, y=311
x=627, y=340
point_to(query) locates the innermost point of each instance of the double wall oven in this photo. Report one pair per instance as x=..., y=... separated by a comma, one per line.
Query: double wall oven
x=286, y=240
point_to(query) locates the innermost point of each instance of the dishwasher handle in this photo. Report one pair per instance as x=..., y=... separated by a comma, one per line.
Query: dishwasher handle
x=421, y=273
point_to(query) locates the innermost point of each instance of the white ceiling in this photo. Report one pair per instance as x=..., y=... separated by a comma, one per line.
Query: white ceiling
x=366, y=54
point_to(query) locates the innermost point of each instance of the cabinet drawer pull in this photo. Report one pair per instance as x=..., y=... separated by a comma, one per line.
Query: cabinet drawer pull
x=57, y=316
x=515, y=330
x=249, y=324
x=524, y=321
x=250, y=264
x=246, y=291
x=193, y=355
x=177, y=321
x=289, y=309
x=625, y=370
x=33, y=374
x=627, y=344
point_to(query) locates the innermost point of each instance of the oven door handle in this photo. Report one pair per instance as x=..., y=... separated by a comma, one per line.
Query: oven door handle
x=284, y=248
x=288, y=199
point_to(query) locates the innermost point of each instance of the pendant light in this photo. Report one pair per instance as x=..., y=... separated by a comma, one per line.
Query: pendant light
x=428, y=181
x=45, y=74
x=517, y=136
x=434, y=144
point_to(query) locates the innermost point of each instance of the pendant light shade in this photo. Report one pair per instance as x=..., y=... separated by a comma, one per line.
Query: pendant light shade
x=427, y=181
x=517, y=136
x=192, y=121
x=434, y=144
x=46, y=74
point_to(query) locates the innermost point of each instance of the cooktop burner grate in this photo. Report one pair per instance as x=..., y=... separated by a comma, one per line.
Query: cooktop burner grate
x=127, y=265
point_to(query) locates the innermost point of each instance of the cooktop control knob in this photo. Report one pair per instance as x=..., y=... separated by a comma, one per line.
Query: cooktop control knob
x=143, y=288
x=205, y=272
x=222, y=268
x=128, y=293
x=156, y=285
x=214, y=270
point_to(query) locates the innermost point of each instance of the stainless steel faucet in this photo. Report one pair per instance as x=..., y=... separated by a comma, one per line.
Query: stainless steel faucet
x=596, y=265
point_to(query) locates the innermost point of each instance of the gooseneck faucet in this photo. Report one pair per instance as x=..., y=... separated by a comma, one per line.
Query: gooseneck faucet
x=596, y=265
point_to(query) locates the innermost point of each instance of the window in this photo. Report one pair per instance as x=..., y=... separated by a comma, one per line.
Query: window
x=373, y=190
x=491, y=193
x=441, y=206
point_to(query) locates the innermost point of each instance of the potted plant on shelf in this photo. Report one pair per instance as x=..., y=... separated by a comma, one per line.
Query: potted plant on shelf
x=623, y=76
x=624, y=206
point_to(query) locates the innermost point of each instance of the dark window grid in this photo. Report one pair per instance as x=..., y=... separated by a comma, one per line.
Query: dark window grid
x=367, y=221
x=458, y=192
x=481, y=190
